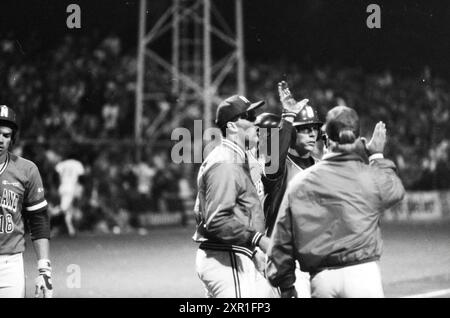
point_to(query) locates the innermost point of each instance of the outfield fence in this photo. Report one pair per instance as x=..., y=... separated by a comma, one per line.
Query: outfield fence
x=421, y=206
x=416, y=207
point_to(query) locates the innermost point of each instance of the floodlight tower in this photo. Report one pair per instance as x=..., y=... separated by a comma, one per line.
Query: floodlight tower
x=195, y=73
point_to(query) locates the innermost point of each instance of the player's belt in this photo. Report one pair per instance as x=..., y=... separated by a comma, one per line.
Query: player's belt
x=227, y=247
x=9, y=257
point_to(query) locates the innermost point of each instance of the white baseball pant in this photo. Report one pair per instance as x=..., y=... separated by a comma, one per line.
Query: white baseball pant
x=356, y=281
x=302, y=283
x=227, y=274
x=12, y=276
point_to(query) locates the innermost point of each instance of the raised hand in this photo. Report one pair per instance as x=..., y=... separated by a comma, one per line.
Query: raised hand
x=288, y=101
x=378, y=141
x=300, y=105
x=286, y=98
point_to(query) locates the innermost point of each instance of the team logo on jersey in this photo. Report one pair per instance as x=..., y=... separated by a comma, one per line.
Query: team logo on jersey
x=10, y=200
x=4, y=111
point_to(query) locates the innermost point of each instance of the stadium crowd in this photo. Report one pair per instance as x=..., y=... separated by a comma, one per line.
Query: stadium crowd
x=77, y=99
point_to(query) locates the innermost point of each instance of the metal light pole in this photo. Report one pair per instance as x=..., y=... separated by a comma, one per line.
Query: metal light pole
x=195, y=75
x=207, y=102
x=240, y=48
x=175, y=47
x=140, y=78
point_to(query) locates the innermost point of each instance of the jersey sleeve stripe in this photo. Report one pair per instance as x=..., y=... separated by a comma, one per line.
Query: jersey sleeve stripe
x=36, y=206
x=256, y=238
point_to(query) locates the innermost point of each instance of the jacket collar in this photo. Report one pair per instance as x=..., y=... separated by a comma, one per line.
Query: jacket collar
x=234, y=147
x=340, y=156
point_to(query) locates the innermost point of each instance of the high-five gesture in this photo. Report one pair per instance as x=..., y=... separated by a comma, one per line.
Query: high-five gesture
x=286, y=98
x=288, y=101
x=378, y=141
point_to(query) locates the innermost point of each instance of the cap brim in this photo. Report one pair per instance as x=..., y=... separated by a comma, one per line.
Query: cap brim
x=256, y=105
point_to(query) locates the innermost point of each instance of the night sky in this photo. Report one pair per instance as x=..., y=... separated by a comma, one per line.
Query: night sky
x=308, y=32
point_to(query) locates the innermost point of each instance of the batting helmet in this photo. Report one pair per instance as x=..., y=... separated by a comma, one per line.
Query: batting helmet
x=268, y=120
x=8, y=117
x=307, y=116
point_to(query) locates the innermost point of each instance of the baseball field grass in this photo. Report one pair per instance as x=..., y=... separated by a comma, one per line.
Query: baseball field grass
x=160, y=264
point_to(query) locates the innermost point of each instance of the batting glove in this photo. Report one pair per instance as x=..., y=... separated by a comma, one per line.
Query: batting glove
x=290, y=105
x=44, y=281
x=286, y=98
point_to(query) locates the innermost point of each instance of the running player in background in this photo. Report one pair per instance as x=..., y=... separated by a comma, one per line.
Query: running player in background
x=23, y=205
x=69, y=171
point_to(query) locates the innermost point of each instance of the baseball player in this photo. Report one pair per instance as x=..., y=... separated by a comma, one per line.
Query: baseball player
x=329, y=217
x=228, y=212
x=22, y=204
x=299, y=131
x=265, y=167
x=69, y=171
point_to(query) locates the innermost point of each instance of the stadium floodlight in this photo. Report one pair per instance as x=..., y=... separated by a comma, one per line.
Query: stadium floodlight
x=196, y=77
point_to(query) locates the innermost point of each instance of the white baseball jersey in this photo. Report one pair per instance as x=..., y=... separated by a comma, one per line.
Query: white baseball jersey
x=69, y=170
x=144, y=174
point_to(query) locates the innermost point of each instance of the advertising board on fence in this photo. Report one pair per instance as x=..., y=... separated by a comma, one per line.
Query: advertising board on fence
x=421, y=206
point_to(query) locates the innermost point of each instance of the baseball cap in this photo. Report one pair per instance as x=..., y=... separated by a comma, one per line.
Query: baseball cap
x=8, y=116
x=232, y=107
x=341, y=118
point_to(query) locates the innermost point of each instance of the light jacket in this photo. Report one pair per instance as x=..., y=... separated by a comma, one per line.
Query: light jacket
x=228, y=211
x=330, y=214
